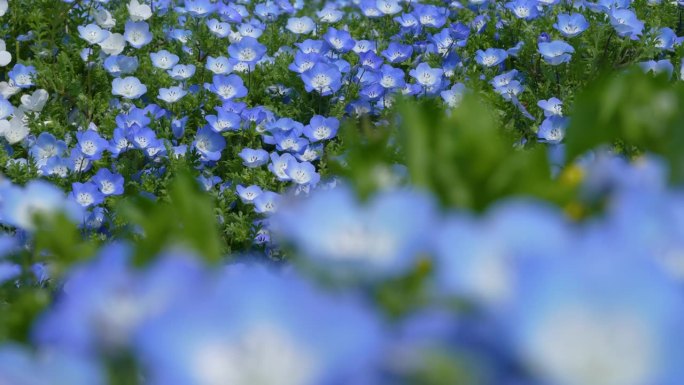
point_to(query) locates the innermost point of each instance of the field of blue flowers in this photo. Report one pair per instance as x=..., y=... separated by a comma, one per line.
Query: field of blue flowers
x=333, y=192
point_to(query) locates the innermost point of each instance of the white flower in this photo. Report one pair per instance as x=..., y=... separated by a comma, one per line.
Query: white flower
x=138, y=11
x=5, y=57
x=36, y=101
x=114, y=44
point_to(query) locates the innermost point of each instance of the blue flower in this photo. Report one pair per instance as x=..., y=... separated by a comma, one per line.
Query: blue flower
x=137, y=34
x=128, y=87
x=23, y=76
x=172, y=94
x=164, y=59
x=453, y=96
x=551, y=107
x=267, y=202
x=431, y=16
x=657, y=67
x=24, y=366
x=91, y=144
x=93, y=34
x=227, y=87
x=118, y=65
x=199, y=8
x=254, y=158
x=86, y=194
x=578, y=302
x=397, y=53
x=524, y=9
x=571, y=25
x=218, y=28
x=225, y=339
x=247, y=50
x=556, y=52
x=108, y=183
x=248, y=194
x=552, y=129
x=224, y=120
x=427, y=76
x=383, y=236
x=490, y=57
x=667, y=39
x=626, y=23
x=323, y=78
x=300, y=25
x=321, y=128
x=45, y=147
x=303, y=173
x=340, y=40
x=181, y=71
x=209, y=144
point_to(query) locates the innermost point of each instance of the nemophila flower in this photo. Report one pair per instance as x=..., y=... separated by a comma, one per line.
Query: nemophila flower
x=510, y=90
x=321, y=128
x=408, y=22
x=304, y=61
x=300, y=25
x=310, y=152
x=92, y=33
x=388, y=7
x=5, y=56
x=285, y=125
x=267, y=202
x=218, y=28
x=249, y=193
x=254, y=158
x=370, y=60
x=430, y=15
x=224, y=120
x=490, y=57
x=551, y=107
x=339, y=40
x=329, y=15
x=524, y=9
x=46, y=146
x=164, y=59
x=278, y=165
x=15, y=130
x=79, y=162
x=552, y=129
x=35, y=101
x=139, y=11
x=104, y=18
x=181, y=71
x=369, y=8
x=172, y=94
x=571, y=25
x=6, y=108
x=108, y=183
x=287, y=141
x=302, y=173
x=427, y=76
x=128, y=87
x=114, y=44
x=453, y=96
x=484, y=269
x=363, y=46
x=141, y=137
x=137, y=34
x=247, y=50
x=21, y=205
x=391, y=78
x=248, y=30
x=227, y=87
x=55, y=166
x=397, y=53
x=226, y=340
x=24, y=366
x=382, y=236
x=323, y=78
x=626, y=23
x=91, y=144
x=657, y=67
x=181, y=35
x=23, y=76
x=118, y=65
x=556, y=52
x=629, y=318
x=667, y=39
x=199, y=8
x=209, y=144
x=219, y=65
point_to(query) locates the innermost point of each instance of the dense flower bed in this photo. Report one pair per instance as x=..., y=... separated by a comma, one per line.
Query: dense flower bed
x=344, y=192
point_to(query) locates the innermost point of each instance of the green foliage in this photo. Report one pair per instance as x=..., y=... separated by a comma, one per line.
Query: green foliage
x=635, y=113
